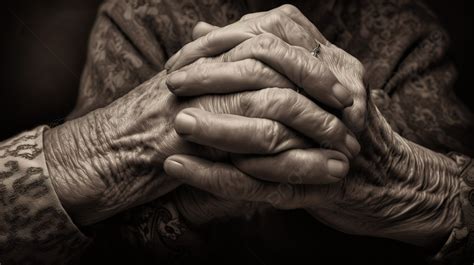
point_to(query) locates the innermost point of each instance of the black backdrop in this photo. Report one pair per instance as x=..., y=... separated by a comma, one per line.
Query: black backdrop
x=42, y=54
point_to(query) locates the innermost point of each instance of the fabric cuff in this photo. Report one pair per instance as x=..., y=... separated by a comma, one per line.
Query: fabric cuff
x=34, y=227
x=459, y=248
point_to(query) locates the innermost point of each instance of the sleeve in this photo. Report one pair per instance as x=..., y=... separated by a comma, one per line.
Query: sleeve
x=123, y=52
x=131, y=41
x=34, y=227
x=459, y=248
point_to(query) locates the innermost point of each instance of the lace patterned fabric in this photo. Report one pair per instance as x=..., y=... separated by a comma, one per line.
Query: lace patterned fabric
x=34, y=228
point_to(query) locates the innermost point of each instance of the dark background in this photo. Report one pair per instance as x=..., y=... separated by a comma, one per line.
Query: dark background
x=43, y=51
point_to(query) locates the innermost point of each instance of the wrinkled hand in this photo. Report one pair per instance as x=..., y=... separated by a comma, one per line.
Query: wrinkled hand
x=248, y=67
x=281, y=38
x=395, y=189
x=112, y=158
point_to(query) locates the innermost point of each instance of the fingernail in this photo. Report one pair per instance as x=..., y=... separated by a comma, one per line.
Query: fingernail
x=173, y=168
x=175, y=80
x=184, y=123
x=352, y=144
x=337, y=168
x=342, y=94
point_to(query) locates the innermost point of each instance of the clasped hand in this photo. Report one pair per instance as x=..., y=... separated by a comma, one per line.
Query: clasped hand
x=227, y=118
x=114, y=156
x=268, y=51
x=395, y=188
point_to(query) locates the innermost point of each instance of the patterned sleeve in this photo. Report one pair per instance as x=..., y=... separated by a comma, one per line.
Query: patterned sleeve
x=459, y=248
x=131, y=41
x=34, y=227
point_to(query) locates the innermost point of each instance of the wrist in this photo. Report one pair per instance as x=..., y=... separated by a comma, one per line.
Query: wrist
x=135, y=121
x=110, y=160
x=73, y=153
x=426, y=178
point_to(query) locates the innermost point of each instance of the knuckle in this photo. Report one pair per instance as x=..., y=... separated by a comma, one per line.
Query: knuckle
x=282, y=99
x=204, y=42
x=245, y=102
x=273, y=198
x=252, y=67
x=271, y=134
x=204, y=75
x=267, y=41
x=289, y=9
x=287, y=97
x=245, y=17
x=267, y=101
x=331, y=126
x=196, y=27
x=199, y=24
x=195, y=32
x=280, y=22
x=239, y=185
x=290, y=196
x=276, y=16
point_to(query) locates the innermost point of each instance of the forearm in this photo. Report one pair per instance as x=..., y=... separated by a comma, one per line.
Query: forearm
x=419, y=175
x=450, y=200
x=111, y=159
x=75, y=152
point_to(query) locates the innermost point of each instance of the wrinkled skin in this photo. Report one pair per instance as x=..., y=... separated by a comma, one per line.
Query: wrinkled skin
x=109, y=160
x=395, y=189
x=112, y=158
